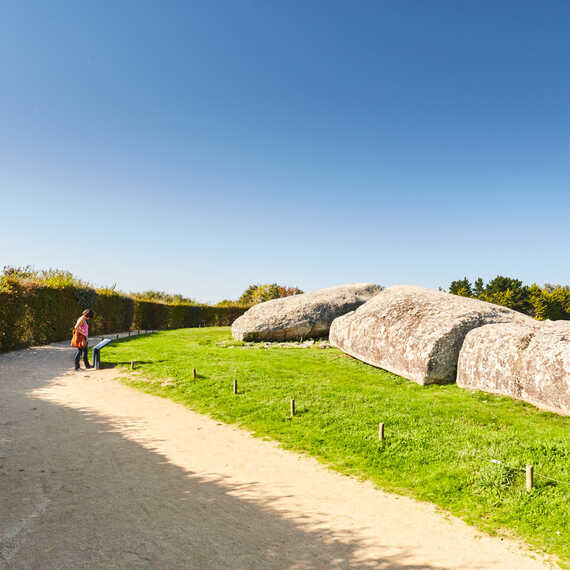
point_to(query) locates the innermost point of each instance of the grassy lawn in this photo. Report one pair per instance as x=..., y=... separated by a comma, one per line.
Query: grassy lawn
x=439, y=440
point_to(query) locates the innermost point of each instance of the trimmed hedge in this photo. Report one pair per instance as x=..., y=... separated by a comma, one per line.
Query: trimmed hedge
x=34, y=315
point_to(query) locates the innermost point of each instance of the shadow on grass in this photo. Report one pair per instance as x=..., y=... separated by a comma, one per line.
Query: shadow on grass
x=119, y=363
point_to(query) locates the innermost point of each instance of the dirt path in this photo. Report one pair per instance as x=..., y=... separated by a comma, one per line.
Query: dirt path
x=94, y=474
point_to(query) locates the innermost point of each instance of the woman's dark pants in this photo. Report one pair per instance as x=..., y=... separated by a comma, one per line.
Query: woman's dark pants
x=84, y=352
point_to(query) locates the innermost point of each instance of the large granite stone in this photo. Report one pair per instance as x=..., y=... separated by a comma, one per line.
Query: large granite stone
x=526, y=362
x=415, y=332
x=301, y=316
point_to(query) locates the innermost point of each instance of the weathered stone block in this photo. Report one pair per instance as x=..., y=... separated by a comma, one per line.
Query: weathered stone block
x=526, y=362
x=301, y=316
x=415, y=332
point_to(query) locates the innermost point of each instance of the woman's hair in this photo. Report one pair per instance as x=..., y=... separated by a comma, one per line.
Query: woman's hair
x=88, y=313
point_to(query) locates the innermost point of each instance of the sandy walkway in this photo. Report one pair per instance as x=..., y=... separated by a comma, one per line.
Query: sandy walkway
x=94, y=474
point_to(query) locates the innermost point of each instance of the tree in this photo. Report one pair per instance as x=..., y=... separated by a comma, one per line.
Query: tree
x=508, y=292
x=478, y=287
x=551, y=302
x=247, y=296
x=255, y=294
x=461, y=287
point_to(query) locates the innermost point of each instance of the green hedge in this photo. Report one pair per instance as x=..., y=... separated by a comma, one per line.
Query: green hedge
x=38, y=315
x=113, y=313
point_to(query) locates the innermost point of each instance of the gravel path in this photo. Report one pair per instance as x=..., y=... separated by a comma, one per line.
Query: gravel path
x=94, y=474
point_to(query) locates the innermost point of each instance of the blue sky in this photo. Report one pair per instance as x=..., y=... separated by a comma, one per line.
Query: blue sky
x=198, y=147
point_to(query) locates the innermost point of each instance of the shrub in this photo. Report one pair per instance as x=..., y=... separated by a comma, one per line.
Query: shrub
x=36, y=315
x=162, y=297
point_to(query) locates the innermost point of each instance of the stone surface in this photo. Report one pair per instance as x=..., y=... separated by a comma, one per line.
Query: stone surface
x=526, y=362
x=415, y=332
x=301, y=316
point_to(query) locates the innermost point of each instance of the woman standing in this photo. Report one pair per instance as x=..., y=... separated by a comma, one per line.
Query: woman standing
x=80, y=338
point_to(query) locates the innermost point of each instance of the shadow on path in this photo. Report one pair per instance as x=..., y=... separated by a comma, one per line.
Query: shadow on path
x=75, y=493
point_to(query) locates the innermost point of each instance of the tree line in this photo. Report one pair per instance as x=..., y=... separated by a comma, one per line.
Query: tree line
x=546, y=302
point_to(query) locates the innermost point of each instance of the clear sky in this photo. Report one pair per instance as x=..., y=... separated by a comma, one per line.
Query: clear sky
x=198, y=147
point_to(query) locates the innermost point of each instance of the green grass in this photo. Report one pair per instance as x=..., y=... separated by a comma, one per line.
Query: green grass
x=439, y=439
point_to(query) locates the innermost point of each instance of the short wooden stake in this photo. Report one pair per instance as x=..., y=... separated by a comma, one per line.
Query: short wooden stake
x=235, y=386
x=132, y=364
x=292, y=407
x=381, y=431
x=194, y=373
x=529, y=473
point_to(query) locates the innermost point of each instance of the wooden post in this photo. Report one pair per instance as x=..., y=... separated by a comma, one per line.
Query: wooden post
x=529, y=473
x=381, y=431
x=194, y=374
x=292, y=407
x=132, y=364
x=235, y=386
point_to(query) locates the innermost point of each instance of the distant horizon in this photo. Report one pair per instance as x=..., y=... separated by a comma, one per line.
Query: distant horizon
x=121, y=290
x=197, y=147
